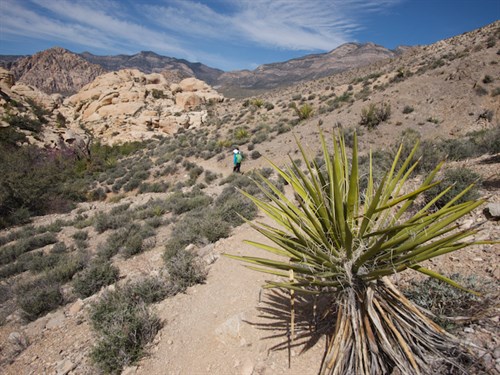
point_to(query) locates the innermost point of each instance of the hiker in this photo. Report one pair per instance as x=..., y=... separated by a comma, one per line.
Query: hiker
x=237, y=158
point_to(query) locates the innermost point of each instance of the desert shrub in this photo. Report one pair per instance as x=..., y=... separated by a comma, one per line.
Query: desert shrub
x=487, y=79
x=36, y=182
x=156, y=187
x=445, y=301
x=194, y=173
x=93, y=278
x=232, y=207
x=38, y=297
x=255, y=154
x=269, y=106
x=134, y=243
x=124, y=325
x=180, y=202
x=98, y=194
x=304, y=111
x=260, y=136
x=10, y=253
x=282, y=128
x=374, y=114
x=12, y=269
x=185, y=269
x=24, y=122
x=66, y=268
x=457, y=179
x=495, y=91
x=480, y=90
x=210, y=176
x=81, y=235
x=113, y=220
x=407, y=109
x=41, y=262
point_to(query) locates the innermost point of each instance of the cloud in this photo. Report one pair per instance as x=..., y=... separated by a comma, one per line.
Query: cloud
x=286, y=24
x=198, y=30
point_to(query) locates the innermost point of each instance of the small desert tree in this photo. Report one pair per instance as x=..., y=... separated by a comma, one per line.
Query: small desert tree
x=342, y=243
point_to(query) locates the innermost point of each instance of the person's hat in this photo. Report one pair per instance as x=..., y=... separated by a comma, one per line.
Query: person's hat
x=235, y=151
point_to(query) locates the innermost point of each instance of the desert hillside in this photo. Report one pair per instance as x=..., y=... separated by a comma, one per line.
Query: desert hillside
x=117, y=204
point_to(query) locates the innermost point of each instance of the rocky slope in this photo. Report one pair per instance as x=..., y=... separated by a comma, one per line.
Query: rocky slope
x=55, y=70
x=132, y=106
x=20, y=103
x=270, y=76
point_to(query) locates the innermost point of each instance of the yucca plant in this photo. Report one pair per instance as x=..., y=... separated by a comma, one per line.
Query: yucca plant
x=339, y=241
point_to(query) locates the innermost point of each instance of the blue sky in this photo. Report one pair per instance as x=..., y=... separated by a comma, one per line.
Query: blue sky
x=232, y=34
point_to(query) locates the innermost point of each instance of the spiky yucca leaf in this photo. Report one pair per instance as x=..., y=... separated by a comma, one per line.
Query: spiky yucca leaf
x=336, y=239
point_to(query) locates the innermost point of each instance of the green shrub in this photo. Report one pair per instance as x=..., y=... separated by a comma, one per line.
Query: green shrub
x=103, y=221
x=232, y=207
x=185, y=270
x=210, y=176
x=81, y=235
x=304, y=112
x=457, y=179
x=445, y=301
x=374, y=114
x=487, y=79
x=255, y=155
x=407, y=109
x=10, y=253
x=179, y=203
x=93, y=278
x=38, y=298
x=66, y=268
x=36, y=182
x=124, y=326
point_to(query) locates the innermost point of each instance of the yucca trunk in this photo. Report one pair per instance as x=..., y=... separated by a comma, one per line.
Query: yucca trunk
x=377, y=330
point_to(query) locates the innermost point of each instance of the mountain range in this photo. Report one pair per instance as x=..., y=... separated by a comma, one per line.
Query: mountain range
x=57, y=70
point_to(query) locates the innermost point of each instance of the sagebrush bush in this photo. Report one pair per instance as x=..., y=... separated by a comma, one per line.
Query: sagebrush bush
x=38, y=297
x=446, y=301
x=99, y=274
x=124, y=325
x=185, y=269
x=456, y=179
x=180, y=202
x=11, y=252
x=233, y=207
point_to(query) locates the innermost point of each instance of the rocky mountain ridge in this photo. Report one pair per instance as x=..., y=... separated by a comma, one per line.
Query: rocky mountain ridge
x=306, y=68
x=57, y=70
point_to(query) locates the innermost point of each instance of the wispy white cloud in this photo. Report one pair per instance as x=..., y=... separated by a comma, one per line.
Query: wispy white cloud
x=185, y=28
x=287, y=24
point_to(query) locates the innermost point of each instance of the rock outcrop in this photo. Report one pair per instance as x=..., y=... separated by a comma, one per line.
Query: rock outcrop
x=131, y=106
x=21, y=103
x=55, y=70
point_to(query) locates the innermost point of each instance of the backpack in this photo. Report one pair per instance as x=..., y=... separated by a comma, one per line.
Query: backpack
x=239, y=157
